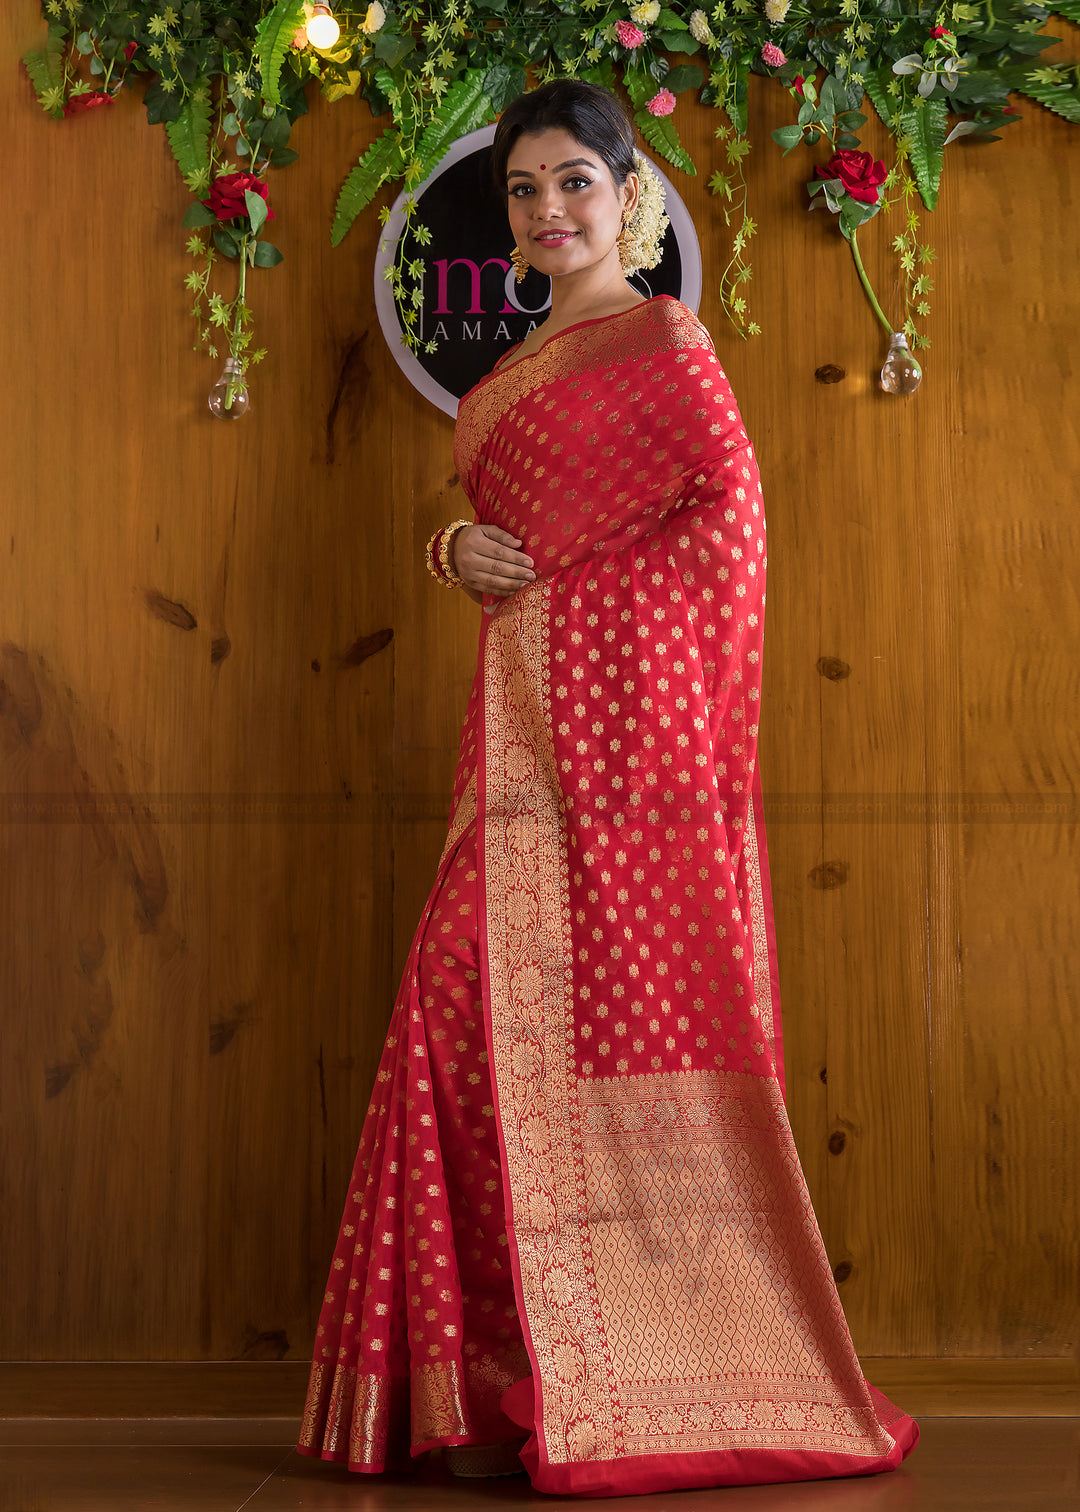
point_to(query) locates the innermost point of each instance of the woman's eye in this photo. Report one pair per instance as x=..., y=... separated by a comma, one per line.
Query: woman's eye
x=577, y=182
x=519, y=191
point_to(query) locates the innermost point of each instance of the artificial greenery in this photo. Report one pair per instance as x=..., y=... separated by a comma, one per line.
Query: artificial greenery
x=228, y=79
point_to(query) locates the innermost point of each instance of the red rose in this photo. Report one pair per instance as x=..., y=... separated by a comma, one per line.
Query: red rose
x=130, y=49
x=858, y=173
x=797, y=84
x=89, y=101
x=227, y=195
x=939, y=32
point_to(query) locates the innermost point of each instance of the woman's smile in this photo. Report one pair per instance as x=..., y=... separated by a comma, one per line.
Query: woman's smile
x=554, y=238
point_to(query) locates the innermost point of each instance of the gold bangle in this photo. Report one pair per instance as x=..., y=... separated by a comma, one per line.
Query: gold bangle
x=430, y=559
x=452, y=579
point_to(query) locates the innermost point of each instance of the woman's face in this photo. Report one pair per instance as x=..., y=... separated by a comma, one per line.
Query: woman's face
x=565, y=208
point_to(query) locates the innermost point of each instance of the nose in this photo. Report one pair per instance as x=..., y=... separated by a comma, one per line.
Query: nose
x=548, y=202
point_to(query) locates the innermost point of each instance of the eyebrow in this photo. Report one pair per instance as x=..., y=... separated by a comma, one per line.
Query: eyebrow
x=572, y=163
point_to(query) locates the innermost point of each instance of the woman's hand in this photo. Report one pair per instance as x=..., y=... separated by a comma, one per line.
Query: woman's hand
x=485, y=559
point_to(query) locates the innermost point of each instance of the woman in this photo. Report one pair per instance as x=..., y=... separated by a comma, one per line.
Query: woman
x=577, y=1210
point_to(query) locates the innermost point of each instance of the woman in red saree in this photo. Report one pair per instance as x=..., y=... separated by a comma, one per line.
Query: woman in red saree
x=577, y=1209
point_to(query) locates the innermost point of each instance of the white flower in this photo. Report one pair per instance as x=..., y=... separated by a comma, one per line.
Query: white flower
x=645, y=13
x=648, y=222
x=699, y=28
x=776, y=10
x=375, y=19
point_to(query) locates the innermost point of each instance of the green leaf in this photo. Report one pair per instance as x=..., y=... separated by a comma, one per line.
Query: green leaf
x=275, y=132
x=676, y=41
x=685, y=76
x=266, y=255
x=787, y=137
x=161, y=104
x=1063, y=102
x=257, y=210
x=1070, y=9
x=667, y=20
x=392, y=49
x=381, y=161
x=464, y=108
x=281, y=157
x=225, y=242
x=189, y=138
x=272, y=38
x=736, y=103
x=927, y=128
x=875, y=86
x=502, y=84
x=853, y=213
x=638, y=86
x=199, y=214
x=833, y=97
x=46, y=70
x=662, y=137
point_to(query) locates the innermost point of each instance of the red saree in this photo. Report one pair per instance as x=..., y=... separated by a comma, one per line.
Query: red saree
x=577, y=1178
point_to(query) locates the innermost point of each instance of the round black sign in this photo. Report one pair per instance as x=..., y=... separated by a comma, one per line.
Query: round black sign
x=473, y=307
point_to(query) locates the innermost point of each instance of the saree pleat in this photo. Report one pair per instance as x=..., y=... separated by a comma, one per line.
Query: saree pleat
x=418, y=1336
x=646, y=1241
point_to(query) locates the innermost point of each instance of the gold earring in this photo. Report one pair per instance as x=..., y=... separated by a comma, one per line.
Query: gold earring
x=623, y=243
x=521, y=264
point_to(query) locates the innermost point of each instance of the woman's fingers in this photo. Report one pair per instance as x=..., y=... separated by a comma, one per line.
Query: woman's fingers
x=484, y=559
x=496, y=533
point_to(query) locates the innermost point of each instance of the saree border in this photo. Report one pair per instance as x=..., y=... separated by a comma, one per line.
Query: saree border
x=574, y=1150
x=529, y=979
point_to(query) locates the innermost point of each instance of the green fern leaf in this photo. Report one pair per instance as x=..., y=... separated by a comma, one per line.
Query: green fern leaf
x=275, y=32
x=1070, y=9
x=927, y=127
x=381, y=161
x=875, y=89
x=46, y=70
x=464, y=108
x=189, y=138
x=662, y=137
x=1063, y=102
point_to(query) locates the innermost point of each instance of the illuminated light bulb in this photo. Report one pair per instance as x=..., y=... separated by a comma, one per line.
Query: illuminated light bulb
x=322, y=30
x=900, y=373
x=228, y=399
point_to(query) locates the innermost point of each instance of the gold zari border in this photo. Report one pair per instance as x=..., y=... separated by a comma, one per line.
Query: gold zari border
x=674, y=1285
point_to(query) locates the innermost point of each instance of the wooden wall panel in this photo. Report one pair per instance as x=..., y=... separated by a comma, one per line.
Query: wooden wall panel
x=237, y=695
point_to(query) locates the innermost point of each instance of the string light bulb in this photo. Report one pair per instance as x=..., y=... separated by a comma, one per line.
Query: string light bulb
x=322, y=29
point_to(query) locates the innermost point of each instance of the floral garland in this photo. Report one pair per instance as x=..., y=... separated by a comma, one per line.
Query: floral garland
x=227, y=79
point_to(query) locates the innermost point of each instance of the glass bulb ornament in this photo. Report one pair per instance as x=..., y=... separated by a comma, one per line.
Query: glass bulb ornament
x=322, y=30
x=229, y=399
x=900, y=372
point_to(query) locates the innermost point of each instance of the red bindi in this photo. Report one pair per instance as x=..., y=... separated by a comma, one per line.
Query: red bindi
x=543, y=166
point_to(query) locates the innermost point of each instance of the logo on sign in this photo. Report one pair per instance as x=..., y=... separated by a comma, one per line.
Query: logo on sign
x=473, y=308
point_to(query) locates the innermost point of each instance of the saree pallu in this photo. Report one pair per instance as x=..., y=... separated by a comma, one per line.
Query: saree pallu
x=678, y=1317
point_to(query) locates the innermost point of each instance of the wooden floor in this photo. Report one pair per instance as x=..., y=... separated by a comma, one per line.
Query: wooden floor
x=129, y=1465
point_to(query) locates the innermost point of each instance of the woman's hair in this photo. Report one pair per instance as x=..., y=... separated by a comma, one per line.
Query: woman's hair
x=588, y=113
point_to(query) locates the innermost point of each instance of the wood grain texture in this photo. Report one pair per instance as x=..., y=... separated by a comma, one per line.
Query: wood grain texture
x=230, y=700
